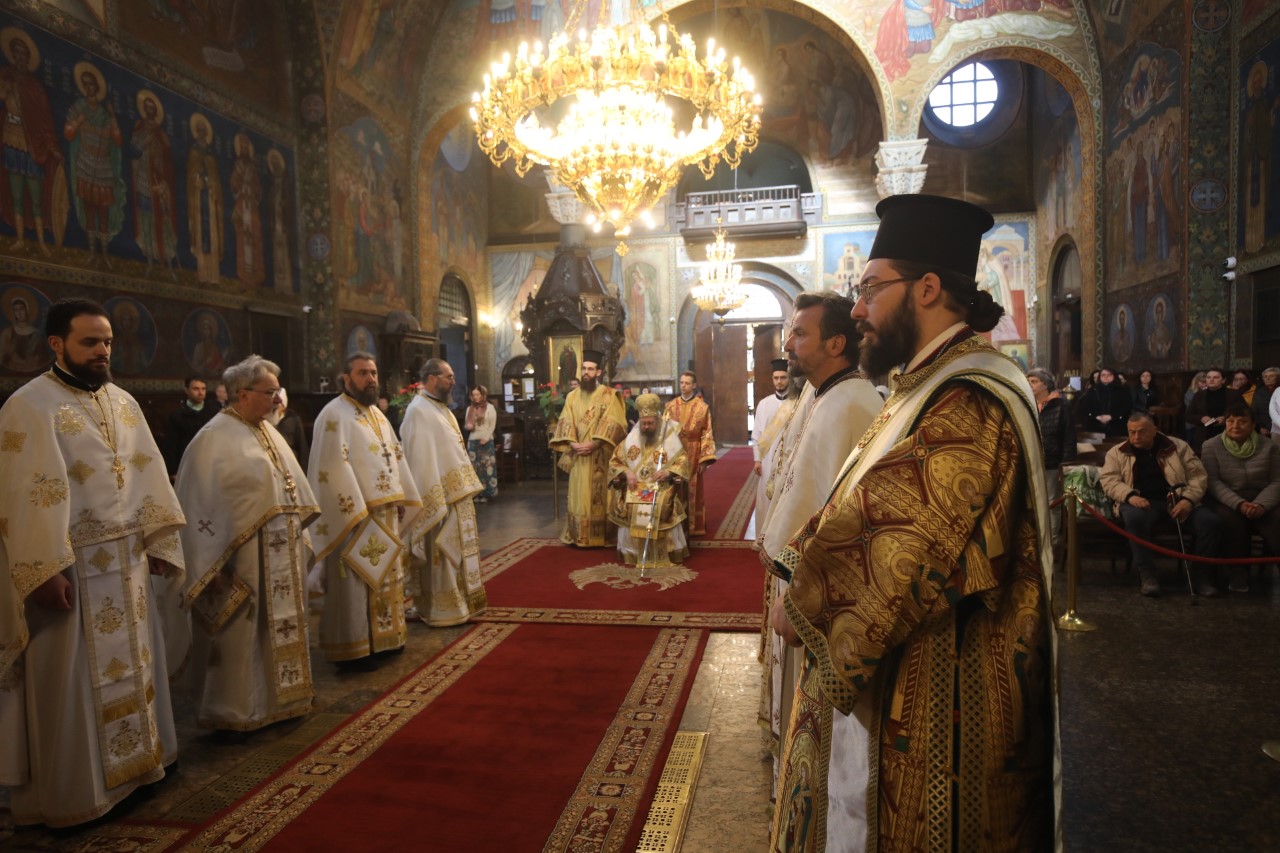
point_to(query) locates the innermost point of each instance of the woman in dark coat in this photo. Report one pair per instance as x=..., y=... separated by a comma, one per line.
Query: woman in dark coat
x=1058, y=438
x=1105, y=407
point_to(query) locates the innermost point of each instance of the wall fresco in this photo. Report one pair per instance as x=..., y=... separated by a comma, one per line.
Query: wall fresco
x=452, y=210
x=1258, y=193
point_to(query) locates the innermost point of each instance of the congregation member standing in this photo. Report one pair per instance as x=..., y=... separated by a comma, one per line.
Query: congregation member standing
x=192, y=414
x=481, y=423
x=835, y=409
x=247, y=552
x=647, y=470
x=88, y=516
x=591, y=424
x=289, y=424
x=369, y=511
x=444, y=576
x=690, y=411
x=1058, y=438
x=1207, y=411
x=1106, y=406
x=924, y=716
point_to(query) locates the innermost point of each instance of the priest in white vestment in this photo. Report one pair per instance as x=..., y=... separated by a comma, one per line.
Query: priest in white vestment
x=773, y=413
x=247, y=553
x=444, y=568
x=767, y=408
x=369, y=510
x=834, y=410
x=648, y=471
x=87, y=515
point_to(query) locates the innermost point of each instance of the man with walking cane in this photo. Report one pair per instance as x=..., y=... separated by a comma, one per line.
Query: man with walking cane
x=1154, y=477
x=647, y=470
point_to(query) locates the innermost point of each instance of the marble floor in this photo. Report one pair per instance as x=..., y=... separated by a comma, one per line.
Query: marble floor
x=1164, y=710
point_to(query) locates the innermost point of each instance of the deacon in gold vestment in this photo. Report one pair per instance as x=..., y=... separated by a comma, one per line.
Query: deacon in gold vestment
x=924, y=717
x=444, y=577
x=591, y=424
x=648, y=470
x=87, y=516
x=369, y=511
x=691, y=413
x=247, y=553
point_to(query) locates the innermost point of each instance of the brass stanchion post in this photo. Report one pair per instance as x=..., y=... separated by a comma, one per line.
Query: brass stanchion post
x=1072, y=621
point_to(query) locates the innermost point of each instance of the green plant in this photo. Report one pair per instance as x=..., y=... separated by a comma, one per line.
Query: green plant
x=550, y=401
x=404, y=396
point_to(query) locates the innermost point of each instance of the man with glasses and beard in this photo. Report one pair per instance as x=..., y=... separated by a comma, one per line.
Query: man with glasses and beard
x=924, y=714
x=369, y=511
x=591, y=425
x=86, y=518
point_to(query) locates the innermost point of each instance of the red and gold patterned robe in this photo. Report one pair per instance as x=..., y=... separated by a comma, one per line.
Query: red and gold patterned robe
x=921, y=595
x=699, y=447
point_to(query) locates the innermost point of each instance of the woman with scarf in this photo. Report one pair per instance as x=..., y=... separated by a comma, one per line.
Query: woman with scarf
x=1244, y=488
x=481, y=421
x=1058, y=439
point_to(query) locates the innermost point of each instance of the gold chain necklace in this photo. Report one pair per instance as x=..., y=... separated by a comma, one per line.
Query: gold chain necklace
x=260, y=433
x=107, y=429
x=371, y=419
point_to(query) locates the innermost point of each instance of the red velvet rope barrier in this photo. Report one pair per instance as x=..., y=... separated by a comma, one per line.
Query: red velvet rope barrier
x=1219, y=561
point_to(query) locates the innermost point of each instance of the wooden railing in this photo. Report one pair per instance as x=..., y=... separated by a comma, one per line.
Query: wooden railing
x=772, y=208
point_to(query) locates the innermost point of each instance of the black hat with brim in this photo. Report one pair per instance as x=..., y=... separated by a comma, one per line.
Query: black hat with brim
x=934, y=231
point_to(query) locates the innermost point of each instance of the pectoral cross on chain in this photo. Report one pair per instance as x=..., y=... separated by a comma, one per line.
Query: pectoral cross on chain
x=386, y=454
x=118, y=467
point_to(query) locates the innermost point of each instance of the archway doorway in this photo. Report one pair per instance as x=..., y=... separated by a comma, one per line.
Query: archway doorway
x=453, y=325
x=1066, y=339
x=731, y=358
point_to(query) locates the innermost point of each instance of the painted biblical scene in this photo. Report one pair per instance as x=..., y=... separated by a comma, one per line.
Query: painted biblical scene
x=124, y=176
x=1259, y=189
x=844, y=257
x=1145, y=210
x=455, y=235
x=1142, y=330
x=378, y=51
x=206, y=342
x=370, y=223
x=232, y=44
x=134, y=336
x=1059, y=172
x=1119, y=23
x=24, y=347
x=1006, y=270
x=643, y=285
x=361, y=338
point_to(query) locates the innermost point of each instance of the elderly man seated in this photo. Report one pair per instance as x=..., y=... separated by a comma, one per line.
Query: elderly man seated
x=1154, y=477
x=647, y=504
x=1244, y=488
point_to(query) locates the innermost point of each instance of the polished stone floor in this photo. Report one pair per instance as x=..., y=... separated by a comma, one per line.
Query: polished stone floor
x=1164, y=710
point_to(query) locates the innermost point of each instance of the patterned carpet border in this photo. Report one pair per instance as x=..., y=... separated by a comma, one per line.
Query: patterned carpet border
x=108, y=838
x=607, y=802
x=257, y=820
x=739, y=514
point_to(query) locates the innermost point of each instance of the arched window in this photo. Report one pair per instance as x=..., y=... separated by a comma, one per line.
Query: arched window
x=966, y=96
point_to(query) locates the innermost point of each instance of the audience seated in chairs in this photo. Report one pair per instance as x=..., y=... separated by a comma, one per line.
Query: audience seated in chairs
x=1264, y=400
x=1244, y=488
x=1153, y=477
x=1207, y=411
x=1105, y=406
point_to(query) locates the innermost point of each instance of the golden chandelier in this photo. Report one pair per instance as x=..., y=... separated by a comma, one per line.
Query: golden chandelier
x=719, y=290
x=614, y=141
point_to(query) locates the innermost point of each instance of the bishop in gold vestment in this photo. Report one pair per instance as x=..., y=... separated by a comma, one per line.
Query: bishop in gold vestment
x=691, y=413
x=591, y=424
x=649, y=470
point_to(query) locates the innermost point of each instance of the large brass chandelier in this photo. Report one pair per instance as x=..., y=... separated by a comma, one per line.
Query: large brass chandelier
x=614, y=141
x=719, y=290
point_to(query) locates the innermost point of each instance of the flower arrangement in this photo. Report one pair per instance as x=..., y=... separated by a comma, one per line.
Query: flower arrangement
x=550, y=401
x=404, y=396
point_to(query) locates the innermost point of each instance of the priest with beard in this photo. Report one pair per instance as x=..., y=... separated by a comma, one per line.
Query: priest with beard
x=647, y=506
x=924, y=715
x=87, y=518
x=591, y=424
x=369, y=512
x=693, y=415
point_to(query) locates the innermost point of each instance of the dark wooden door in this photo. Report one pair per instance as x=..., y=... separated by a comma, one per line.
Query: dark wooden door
x=766, y=347
x=720, y=354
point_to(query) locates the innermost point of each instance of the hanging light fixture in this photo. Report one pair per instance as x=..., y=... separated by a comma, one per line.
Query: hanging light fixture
x=601, y=110
x=719, y=289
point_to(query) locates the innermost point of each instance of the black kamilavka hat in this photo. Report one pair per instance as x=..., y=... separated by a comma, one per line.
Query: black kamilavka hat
x=931, y=230
x=778, y=364
x=594, y=356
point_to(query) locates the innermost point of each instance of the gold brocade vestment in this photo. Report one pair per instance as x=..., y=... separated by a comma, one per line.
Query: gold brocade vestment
x=694, y=418
x=649, y=515
x=921, y=594
x=598, y=416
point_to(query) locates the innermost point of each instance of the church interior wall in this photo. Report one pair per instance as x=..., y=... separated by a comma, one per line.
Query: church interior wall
x=236, y=102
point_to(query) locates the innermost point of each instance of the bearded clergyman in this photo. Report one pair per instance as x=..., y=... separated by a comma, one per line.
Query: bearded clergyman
x=87, y=518
x=369, y=512
x=924, y=715
x=591, y=424
x=247, y=552
x=649, y=470
x=445, y=570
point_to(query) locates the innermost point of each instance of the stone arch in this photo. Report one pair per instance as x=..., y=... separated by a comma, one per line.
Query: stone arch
x=778, y=281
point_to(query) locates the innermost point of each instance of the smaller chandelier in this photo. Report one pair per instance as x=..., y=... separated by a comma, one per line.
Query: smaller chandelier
x=720, y=290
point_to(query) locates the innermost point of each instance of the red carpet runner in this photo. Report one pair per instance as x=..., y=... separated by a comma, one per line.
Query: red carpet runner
x=539, y=580
x=730, y=487
x=547, y=738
